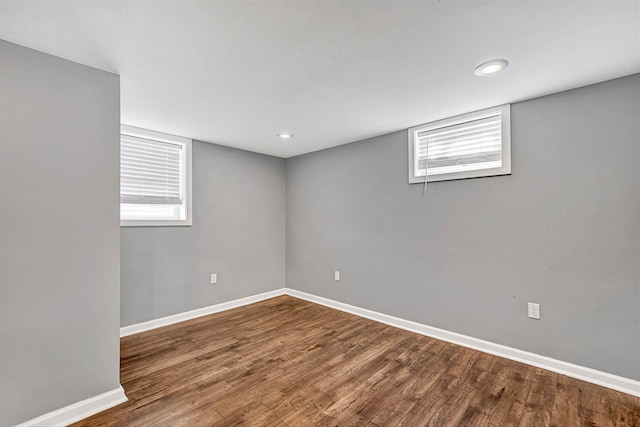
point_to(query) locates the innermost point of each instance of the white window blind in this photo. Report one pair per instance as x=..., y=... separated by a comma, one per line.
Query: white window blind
x=468, y=146
x=150, y=171
x=460, y=147
x=155, y=178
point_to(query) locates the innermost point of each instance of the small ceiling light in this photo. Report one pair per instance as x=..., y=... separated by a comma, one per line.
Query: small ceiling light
x=491, y=67
x=285, y=135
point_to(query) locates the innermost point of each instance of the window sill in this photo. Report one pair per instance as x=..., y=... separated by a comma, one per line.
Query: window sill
x=151, y=223
x=482, y=173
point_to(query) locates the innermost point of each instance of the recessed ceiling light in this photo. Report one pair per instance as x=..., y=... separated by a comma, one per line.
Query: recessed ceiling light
x=285, y=135
x=491, y=67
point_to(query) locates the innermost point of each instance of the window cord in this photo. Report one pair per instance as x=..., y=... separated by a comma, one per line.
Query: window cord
x=426, y=171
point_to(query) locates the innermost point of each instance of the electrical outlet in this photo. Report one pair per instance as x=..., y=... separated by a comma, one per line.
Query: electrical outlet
x=214, y=278
x=336, y=276
x=534, y=311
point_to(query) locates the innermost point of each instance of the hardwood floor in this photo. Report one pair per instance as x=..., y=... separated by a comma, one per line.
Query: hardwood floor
x=287, y=362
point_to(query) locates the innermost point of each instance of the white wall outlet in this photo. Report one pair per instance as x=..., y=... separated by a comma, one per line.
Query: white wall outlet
x=336, y=276
x=214, y=278
x=534, y=310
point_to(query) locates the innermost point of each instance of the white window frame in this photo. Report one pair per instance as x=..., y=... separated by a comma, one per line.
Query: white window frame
x=505, y=169
x=186, y=178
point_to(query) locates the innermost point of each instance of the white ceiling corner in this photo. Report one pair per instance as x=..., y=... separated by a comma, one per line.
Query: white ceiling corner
x=331, y=72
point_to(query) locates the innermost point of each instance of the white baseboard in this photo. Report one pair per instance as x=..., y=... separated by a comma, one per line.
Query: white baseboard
x=79, y=410
x=187, y=315
x=604, y=379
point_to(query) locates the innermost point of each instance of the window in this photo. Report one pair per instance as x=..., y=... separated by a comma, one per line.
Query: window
x=468, y=146
x=155, y=178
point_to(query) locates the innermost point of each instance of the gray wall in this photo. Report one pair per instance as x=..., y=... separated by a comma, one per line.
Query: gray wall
x=238, y=232
x=563, y=230
x=59, y=233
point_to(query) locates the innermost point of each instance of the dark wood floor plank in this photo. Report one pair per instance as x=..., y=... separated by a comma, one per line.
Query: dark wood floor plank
x=595, y=406
x=537, y=409
x=566, y=405
x=518, y=399
x=352, y=394
x=491, y=385
x=288, y=363
x=625, y=412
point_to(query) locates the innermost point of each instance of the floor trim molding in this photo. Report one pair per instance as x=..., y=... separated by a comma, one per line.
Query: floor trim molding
x=79, y=410
x=604, y=379
x=187, y=315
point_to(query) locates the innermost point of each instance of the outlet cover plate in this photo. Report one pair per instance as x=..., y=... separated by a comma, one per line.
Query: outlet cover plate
x=534, y=311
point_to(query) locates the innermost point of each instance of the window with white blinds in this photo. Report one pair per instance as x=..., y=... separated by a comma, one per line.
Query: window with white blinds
x=150, y=171
x=154, y=178
x=469, y=146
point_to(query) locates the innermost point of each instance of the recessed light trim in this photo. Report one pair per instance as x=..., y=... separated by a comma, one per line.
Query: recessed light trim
x=285, y=135
x=491, y=67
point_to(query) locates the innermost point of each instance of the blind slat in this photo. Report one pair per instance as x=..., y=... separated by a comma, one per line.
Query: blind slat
x=142, y=148
x=150, y=159
x=139, y=141
x=463, y=150
x=460, y=146
x=129, y=172
x=146, y=167
x=155, y=187
x=468, y=125
x=466, y=137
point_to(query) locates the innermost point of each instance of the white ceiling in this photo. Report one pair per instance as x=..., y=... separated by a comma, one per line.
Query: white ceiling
x=331, y=72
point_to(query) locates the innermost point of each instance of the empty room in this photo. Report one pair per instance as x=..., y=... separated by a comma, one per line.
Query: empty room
x=320, y=213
